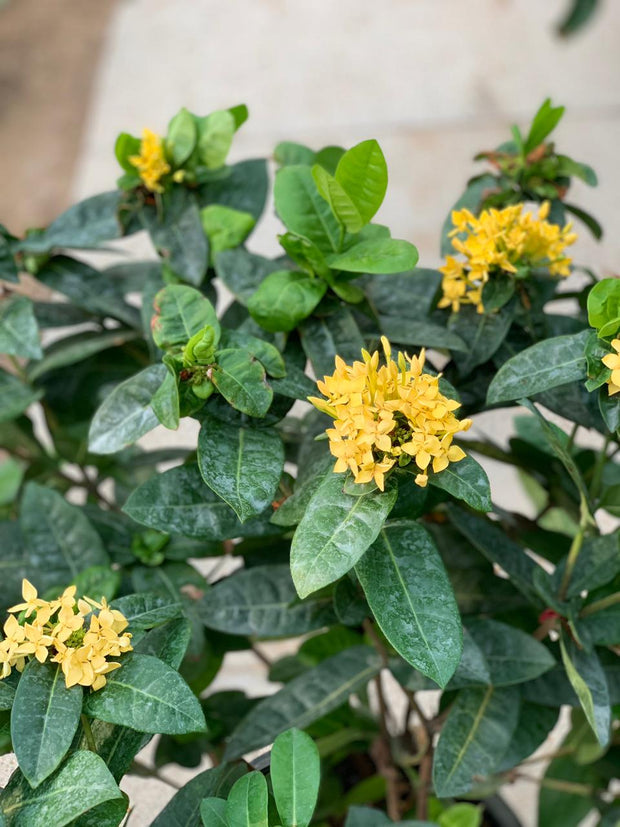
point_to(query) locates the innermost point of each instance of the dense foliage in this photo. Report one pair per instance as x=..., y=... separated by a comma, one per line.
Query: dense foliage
x=361, y=527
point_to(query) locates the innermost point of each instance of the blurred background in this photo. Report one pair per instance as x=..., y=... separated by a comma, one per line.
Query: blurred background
x=434, y=81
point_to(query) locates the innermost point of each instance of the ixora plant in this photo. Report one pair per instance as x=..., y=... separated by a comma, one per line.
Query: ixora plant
x=360, y=526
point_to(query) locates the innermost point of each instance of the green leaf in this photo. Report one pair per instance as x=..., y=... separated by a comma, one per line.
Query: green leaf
x=302, y=209
x=410, y=595
x=184, y=809
x=225, y=227
x=362, y=173
x=144, y=611
x=545, y=121
x=44, y=719
x=289, y=153
x=181, y=137
x=598, y=563
x=407, y=331
x=416, y=289
x=213, y=812
x=260, y=601
x=305, y=699
x=338, y=199
x=83, y=226
x=368, y=817
x=604, y=306
x=242, y=465
x=587, y=678
x=466, y=480
x=125, y=146
x=215, y=134
x=247, y=802
x=166, y=402
x=532, y=730
x=335, y=531
x=578, y=14
x=126, y=413
x=19, y=334
x=295, y=777
x=11, y=476
x=148, y=695
x=483, y=333
x=15, y=396
x=180, y=313
x=460, y=815
x=177, y=235
x=497, y=547
x=385, y=255
x=560, y=808
x=325, y=338
x=61, y=541
x=77, y=348
x=542, y=366
x=241, y=381
x=284, y=298
x=88, y=288
x=168, y=642
x=81, y=784
x=179, y=502
x=511, y=655
x=242, y=186
x=476, y=734
x=7, y=696
x=242, y=272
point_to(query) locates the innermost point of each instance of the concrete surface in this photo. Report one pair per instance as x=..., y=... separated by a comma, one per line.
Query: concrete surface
x=433, y=81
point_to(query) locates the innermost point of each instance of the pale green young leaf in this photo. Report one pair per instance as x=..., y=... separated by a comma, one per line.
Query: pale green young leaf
x=295, y=777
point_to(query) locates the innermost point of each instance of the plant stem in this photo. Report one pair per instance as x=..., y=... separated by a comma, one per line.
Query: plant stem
x=599, y=605
x=557, y=784
x=571, y=560
x=90, y=740
x=597, y=474
x=571, y=439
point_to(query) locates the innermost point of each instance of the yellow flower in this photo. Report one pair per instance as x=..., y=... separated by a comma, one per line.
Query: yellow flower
x=31, y=603
x=500, y=241
x=612, y=361
x=151, y=162
x=388, y=415
x=57, y=631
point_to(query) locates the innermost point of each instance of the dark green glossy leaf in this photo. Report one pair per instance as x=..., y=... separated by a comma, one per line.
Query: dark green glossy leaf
x=410, y=595
x=44, y=719
x=88, y=288
x=466, y=480
x=598, y=563
x=148, y=695
x=83, y=226
x=213, y=812
x=407, y=331
x=242, y=272
x=482, y=333
x=168, y=642
x=325, y=338
x=587, y=677
x=184, y=809
x=243, y=466
x=542, y=366
x=244, y=187
x=178, y=235
x=146, y=610
x=178, y=501
x=305, y=699
x=335, y=531
x=532, y=730
x=126, y=413
x=260, y=601
x=295, y=777
x=82, y=783
x=474, y=738
x=511, y=655
x=15, y=396
x=241, y=381
x=61, y=542
x=19, y=334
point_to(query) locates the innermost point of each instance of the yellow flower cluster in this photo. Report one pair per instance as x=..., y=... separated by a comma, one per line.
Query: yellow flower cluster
x=57, y=629
x=500, y=240
x=612, y=361
x=388, y=415
x=151, y=162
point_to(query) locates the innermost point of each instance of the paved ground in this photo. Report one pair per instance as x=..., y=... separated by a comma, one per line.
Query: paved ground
x=433, y=81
